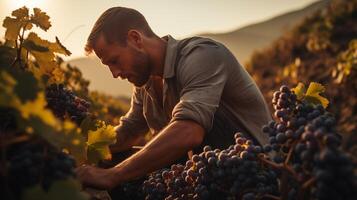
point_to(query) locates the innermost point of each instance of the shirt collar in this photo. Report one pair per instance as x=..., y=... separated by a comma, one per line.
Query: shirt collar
x=170, y=57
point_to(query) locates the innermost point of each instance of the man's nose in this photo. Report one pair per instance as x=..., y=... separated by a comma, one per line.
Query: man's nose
x=115, y=72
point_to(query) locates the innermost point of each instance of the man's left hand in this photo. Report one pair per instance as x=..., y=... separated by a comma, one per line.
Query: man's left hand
x=96, y=177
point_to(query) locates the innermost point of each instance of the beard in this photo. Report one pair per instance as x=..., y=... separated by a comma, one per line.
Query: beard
x=141, y=68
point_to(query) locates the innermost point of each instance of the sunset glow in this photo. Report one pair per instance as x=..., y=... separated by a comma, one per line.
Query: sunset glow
x=28, y=3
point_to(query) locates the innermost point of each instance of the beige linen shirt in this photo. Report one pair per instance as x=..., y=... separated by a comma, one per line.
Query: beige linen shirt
x=201, y=78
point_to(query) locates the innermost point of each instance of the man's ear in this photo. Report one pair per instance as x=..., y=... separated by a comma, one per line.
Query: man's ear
x=135, y=37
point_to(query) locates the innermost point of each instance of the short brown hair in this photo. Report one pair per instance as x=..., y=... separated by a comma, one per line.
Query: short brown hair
x=115, y=23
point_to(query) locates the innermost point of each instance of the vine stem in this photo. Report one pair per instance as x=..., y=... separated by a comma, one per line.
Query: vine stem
x=290, y=152
x=309, y=182
x=19, y=47
x=14, y=141
x=305, y=185
x=273, y=164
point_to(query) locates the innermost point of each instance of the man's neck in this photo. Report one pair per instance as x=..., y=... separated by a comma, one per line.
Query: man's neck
x=157, y=56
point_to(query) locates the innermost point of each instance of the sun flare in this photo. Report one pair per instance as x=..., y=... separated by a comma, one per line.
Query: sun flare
x=14, y=4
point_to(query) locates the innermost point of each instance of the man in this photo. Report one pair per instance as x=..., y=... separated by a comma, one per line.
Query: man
x=188, y=93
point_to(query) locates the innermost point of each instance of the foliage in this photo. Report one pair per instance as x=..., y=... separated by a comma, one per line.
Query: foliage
x=322, y=48
x=29, y=65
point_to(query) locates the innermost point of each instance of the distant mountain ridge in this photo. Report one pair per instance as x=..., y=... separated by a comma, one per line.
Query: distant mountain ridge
x=101, y=78
x=242, y=42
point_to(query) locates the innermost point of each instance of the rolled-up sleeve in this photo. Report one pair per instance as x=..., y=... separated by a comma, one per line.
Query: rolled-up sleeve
x=202, y=76
x=133, y=122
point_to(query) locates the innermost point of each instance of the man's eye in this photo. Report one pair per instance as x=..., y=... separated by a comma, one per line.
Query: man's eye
x=112, y=62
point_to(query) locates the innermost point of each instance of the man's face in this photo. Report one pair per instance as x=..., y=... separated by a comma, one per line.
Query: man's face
x=127, y=62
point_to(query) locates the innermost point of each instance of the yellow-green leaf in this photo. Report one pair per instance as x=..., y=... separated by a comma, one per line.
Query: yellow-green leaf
x=299, y=90
x=315, y=88
x=98, y=152
x=13, y=27
x=21, y=13
x=46, y=60
x=37, y=108
x=32, y=46
x=106, y=134
x=40, y=19
x=7, y=84
x=57, y=76
x=35, y=70
x=73, y=142
x=99, y=141
x=32, y=36
x=59, y=48
x=313, y=93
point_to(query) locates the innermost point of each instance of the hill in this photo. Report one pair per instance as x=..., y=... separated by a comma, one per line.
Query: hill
x=242, y=42
x=100, y=77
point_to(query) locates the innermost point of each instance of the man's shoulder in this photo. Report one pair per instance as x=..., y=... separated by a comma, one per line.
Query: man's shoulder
x=187, y=45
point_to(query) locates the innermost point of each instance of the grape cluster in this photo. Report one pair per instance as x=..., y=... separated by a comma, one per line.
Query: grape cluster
x=64, y=102
x=306, y=163
x=33, y=164
x=301, y=137
x=232, y=173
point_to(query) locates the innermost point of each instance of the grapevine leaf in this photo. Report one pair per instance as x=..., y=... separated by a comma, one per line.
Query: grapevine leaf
x=37, y=40
x=59, y=48
x=32, y=46
x=98, y=152
x=74, y=142
x=44, y=59
x=40, y=19
x=35, y=70
x=56, y=76
x=69, y=189
x=37, y=108
x=21, y=13
x=105, y=133
x=27, y=88
x=313, y=94
x=99, y=141
x=7, y=56
x=299, y=90
x=13, y=27
x=28, y=26
x=7, y=84
x=88, y=124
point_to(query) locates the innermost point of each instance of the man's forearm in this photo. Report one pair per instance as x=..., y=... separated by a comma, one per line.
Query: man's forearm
x=169, y=145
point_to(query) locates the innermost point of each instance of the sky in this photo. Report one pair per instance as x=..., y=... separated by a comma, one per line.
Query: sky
x=72, y=20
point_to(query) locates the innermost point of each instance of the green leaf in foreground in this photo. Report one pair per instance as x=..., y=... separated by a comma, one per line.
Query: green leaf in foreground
x=99, y=141
x=65, y=189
